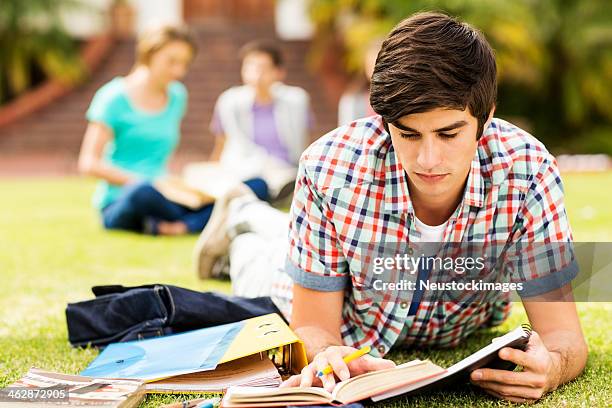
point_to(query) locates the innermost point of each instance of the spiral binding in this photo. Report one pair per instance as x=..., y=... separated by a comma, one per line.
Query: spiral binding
x=526, y=328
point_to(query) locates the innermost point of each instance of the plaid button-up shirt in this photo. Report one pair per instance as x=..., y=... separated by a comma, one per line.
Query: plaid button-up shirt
x=352, y=192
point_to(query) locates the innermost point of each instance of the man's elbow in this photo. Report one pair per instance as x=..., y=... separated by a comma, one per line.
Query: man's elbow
x=576, y=357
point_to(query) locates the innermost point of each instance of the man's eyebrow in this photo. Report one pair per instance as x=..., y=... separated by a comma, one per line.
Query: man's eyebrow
x=452, y=126
x=404, y=128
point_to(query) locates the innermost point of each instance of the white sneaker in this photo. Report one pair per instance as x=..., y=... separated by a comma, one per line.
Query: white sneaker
x=214, y=239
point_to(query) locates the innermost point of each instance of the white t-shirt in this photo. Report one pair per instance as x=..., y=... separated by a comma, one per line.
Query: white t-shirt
x=432, y=234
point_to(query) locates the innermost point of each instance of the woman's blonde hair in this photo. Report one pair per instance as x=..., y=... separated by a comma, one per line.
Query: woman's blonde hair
x=154, y=39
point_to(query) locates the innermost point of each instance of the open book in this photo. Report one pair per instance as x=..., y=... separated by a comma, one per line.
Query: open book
x=345, y=392
x=412, y=377
x=203, y=183
x=179, y=191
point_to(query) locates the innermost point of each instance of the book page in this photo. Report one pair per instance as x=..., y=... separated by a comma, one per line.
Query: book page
x=376, y=382
x=212, y=179
x=285, y=396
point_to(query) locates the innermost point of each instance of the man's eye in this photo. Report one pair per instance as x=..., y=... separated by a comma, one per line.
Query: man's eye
x=448, y=135
x=409, y=135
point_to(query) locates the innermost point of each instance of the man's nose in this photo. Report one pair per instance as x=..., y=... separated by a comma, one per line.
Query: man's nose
x=429, y=154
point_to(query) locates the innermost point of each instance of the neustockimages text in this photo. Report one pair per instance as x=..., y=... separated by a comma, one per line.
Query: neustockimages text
x=405, y=285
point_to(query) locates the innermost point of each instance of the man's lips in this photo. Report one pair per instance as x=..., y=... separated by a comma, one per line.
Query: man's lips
x=431, y=178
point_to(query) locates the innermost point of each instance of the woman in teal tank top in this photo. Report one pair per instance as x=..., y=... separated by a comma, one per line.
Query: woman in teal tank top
x=134, y=127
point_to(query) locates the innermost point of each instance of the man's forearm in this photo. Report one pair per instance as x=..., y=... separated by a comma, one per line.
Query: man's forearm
x=316, y=340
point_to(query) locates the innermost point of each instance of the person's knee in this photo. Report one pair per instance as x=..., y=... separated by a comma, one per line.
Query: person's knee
x=142, y=194
x=118, y=218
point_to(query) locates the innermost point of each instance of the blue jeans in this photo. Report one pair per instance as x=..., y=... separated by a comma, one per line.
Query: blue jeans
x=141, y=203
x=120, y=313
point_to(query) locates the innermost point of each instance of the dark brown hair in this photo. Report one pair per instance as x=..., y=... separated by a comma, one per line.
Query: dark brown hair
x=269, y=48
x=429, y=61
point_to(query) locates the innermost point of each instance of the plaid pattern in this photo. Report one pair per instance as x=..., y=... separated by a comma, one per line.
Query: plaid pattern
x=352, y=192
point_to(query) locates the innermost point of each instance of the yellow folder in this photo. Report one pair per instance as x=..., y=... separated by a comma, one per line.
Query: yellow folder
x=263, y=334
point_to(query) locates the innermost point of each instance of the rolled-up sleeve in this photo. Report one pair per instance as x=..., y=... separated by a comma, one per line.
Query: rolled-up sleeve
x=315, y=260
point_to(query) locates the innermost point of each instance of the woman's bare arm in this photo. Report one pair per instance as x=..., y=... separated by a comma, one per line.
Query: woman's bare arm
x=90, y=163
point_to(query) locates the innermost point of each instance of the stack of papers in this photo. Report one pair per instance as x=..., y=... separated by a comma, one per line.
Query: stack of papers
x=254, y=371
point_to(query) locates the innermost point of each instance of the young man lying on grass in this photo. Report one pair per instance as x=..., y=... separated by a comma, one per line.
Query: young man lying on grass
x=433, y=166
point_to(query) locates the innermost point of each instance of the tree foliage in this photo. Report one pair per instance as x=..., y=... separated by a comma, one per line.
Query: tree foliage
x=34, y=43
x=554, y=57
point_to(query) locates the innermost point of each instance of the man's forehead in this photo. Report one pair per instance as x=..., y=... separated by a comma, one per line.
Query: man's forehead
x=260, y=57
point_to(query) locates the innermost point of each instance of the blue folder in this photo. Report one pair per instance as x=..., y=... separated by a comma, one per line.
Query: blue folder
x=162, y=357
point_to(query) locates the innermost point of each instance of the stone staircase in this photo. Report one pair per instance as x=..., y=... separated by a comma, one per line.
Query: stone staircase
x=48, y=141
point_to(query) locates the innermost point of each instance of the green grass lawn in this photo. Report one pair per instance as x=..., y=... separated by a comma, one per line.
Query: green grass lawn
x=52, y=250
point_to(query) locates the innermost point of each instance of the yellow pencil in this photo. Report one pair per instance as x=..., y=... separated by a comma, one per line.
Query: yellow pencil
x=347, y=359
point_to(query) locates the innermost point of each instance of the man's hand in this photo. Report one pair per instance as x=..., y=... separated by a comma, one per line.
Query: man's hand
x=540, y=374
x=332, y=355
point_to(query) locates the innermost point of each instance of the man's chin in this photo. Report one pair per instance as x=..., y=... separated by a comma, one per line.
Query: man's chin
x=432, y=189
